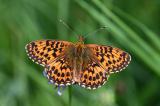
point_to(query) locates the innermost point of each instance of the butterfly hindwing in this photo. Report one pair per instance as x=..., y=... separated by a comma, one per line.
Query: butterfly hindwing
x=112, y=59
x=93, y=76
x=45, y=51
x=59, y=72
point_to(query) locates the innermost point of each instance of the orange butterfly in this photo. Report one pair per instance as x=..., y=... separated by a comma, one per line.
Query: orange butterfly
x=66, y=63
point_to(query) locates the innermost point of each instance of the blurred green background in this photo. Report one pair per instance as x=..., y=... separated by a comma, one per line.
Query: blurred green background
x=133, y=25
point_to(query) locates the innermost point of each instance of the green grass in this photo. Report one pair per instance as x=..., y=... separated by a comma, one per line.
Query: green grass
x=131, y=25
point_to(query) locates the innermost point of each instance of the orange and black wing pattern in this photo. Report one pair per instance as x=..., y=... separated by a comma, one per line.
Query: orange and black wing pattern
x=110, y=58
x=45, y=51
x=59, y=72
x=93, y=76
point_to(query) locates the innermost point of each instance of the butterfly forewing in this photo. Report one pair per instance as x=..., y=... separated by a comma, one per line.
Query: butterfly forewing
x=45, y=51
x=112, y=59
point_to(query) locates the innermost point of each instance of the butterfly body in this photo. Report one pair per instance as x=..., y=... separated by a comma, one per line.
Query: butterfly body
x=78, y=56
x=66, y=63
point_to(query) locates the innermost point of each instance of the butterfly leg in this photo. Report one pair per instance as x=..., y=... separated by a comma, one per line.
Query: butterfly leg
x=60, y=90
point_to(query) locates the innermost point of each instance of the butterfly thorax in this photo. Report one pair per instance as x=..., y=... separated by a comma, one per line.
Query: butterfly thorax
x=79, y=48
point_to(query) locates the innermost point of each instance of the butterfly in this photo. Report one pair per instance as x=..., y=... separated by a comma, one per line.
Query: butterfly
x=66, y=63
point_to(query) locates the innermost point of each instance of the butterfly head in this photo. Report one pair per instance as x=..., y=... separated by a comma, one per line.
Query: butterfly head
x=81, y=40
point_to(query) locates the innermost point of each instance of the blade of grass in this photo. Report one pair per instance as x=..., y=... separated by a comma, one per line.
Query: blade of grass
x=150, y=34
x=70, y=95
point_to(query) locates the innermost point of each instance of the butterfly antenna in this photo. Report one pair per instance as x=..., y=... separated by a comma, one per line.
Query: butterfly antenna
x=95, y=31
x=68, y=26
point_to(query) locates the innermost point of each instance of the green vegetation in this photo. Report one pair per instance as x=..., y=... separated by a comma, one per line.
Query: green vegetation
x=131, y=25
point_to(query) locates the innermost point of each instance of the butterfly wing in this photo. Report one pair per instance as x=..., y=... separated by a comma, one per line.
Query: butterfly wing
x=59, y=72
x=45, y=51
x=110, y=58
x=93, y=76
